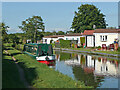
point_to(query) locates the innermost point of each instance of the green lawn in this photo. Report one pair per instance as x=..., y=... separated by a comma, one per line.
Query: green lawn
x=41, y=76
x=10, y=74
x=108, y=52
x=90, y=50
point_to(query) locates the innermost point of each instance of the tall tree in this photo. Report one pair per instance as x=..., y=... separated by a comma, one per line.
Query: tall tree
x=31, y=25
x=87, y=17
x=3, y=29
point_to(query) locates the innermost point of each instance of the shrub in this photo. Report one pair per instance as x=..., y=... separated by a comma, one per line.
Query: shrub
x=65, y=43
x=82, y=40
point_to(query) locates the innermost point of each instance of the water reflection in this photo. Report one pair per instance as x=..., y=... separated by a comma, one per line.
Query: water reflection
x=92, y=70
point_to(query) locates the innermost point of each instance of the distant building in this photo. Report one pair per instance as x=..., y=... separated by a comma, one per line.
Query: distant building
x=73, y=36
x=48, y=39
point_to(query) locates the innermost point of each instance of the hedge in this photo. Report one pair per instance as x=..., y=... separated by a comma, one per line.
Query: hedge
x=65, y=43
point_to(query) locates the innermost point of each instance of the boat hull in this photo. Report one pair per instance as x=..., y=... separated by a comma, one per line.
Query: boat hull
x=44, y=58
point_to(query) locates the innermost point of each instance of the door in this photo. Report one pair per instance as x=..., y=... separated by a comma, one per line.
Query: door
x=90, y=41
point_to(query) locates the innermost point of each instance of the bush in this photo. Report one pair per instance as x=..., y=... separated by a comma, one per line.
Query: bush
x=65, y=43
x=82, y=40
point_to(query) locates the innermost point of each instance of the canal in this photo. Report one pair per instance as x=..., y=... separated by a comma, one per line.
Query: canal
x=96, y=71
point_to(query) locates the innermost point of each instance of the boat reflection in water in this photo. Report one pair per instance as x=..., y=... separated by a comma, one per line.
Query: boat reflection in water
x=92, y=70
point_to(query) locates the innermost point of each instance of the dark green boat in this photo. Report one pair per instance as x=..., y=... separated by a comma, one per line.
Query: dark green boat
x=41, y=52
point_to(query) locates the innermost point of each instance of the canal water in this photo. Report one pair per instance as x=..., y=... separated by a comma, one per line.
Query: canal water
x=96, y=71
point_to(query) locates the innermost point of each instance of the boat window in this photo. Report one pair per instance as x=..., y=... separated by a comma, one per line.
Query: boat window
x=45, y=50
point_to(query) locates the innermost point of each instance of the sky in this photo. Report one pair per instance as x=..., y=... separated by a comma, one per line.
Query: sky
x=57, y=16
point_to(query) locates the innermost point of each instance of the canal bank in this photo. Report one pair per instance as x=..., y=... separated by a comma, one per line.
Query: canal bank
x=40, y=75
x=89, y=52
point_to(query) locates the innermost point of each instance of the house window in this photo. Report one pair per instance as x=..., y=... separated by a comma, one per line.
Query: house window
x=77, y=38
x=72, y=38
x=103, y=38
x=66, y=38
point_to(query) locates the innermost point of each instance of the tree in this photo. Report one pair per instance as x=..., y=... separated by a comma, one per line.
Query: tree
x=3, y=29
x=111, y=28
x=69, y=32
x=31, y=25
x=87, y=17
x=60, y=33
x=54, y=32
x=14, y=38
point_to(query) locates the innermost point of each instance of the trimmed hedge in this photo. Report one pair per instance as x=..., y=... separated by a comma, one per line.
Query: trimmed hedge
x=65, y=43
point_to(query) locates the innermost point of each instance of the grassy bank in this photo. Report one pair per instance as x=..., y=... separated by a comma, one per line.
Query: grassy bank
x=92, y=52
x=41, y=76
x=10, y=74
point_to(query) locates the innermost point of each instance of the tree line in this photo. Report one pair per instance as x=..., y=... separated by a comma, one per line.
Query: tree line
x=87, y=17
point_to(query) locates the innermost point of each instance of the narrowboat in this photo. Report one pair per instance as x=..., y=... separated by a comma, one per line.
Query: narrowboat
x=41, y=52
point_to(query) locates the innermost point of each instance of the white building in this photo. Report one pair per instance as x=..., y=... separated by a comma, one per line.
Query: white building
x=47, y=39
x=74, y=36
x=106, y=36
x=95, y=38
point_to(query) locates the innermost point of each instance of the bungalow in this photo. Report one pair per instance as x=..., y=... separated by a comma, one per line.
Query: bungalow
x=74, y=36
x=47, y=39
x=95, y=38
x=106, y=36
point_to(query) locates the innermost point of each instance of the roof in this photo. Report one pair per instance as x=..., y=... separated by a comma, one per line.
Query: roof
x=74, y=34
x=88, y=32
x=54, y=36
x=107, y=31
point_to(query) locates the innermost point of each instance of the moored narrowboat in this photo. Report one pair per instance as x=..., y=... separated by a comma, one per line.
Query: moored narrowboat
x=41, y=52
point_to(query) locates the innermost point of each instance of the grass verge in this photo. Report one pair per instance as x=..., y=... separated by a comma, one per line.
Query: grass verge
x=41, y=76
x=10, y=74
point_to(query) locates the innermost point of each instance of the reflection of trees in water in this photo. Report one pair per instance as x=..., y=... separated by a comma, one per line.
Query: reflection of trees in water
x=88, y=78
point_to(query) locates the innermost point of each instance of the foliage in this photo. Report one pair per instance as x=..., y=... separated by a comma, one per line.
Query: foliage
x=3, y=29
x=65, y=43
x=60, y=33
x=86, y=17
x=32, y=26
x=69, y=32
x=13, y=38
x=82, y=40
